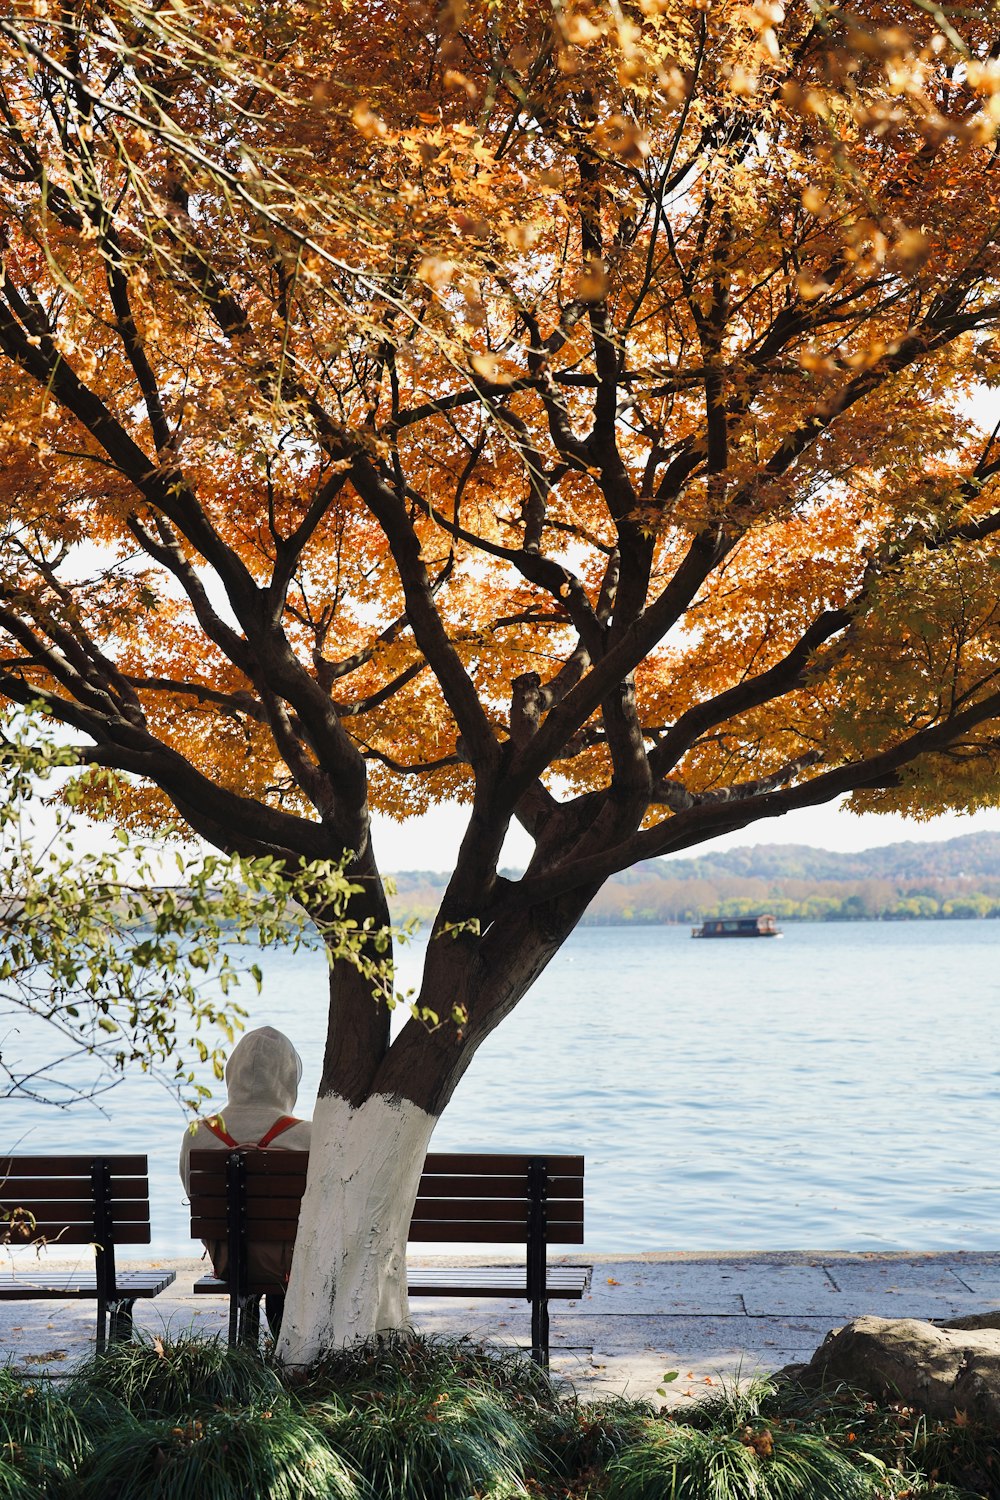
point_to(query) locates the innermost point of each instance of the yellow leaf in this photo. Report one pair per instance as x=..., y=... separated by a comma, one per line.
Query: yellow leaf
x=367, y=123
x=485, y=365
x=593, y=282
x=621, y=137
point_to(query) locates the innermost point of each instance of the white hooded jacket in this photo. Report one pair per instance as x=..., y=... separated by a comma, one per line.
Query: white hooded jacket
x=262, y=1079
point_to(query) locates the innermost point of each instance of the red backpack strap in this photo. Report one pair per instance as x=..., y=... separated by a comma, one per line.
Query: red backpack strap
x=216, y=1126
x=281, y=1124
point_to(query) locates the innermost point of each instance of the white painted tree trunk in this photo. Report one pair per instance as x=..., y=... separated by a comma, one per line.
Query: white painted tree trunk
x=348, y=1276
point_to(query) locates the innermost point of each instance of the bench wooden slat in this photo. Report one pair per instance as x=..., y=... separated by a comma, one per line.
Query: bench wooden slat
x=502, y=1165
x=435, y=1185
x=461, y=1284
x=488, y=1275
x=70, y=1187
x=456, y=1225
x=270, y=1163
x=274, y=1161
x=564, y=1282
x=422, y=1231
x=283, y=1185
x=512, y=1212
x=509, y=1219
x=259, y=1210
x=259, y=1189
x=15, y=1167
x=83, y=1234
x=426, y=1232
x=78, y=1211
x=566, y=1218
x=431, y=1189
x=15, y=1287
x=282, y=1230
x=509, y=1211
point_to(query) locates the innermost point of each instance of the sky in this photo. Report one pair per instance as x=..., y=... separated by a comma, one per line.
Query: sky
x=431, y=842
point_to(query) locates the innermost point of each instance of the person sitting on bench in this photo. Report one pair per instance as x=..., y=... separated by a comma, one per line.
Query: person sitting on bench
x=262, y=1079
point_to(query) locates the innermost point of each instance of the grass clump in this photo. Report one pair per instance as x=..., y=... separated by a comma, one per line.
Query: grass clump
x=222, y=1455
x=157, y=1377
x=411, y=1361
x=42, y=1439
x=440, y=1440
x=674, y=1461
x=926, y=1458
x=432, y=1419
x=579, y=1439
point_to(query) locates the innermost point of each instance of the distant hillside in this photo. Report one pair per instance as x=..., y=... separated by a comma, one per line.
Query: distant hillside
x=957, y=877
x=971, y=854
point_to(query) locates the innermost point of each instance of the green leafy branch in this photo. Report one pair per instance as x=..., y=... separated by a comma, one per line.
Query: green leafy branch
x=127, y=968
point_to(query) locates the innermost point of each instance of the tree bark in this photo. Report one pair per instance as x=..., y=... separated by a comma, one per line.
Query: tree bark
x=348, y=1276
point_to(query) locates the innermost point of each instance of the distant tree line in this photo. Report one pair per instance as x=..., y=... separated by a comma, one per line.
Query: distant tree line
x=957, y=879
x=792, y=900
x=666, y=901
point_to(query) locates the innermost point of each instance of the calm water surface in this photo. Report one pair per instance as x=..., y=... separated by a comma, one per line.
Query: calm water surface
x=836, y=1089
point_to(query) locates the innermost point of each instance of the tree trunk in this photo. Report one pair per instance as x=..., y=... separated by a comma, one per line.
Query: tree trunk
x=377, y=1109
x=349, y=1272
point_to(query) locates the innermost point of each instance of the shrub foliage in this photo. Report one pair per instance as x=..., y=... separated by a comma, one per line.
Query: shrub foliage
x=425, y=1419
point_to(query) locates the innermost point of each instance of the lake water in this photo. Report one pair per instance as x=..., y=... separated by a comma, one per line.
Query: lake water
x=836, y=1089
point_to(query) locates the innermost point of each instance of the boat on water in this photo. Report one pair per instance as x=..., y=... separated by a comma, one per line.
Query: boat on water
x=738, y=927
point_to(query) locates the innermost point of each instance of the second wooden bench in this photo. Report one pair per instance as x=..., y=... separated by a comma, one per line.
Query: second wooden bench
x=102, y=1201
x=533, y=1200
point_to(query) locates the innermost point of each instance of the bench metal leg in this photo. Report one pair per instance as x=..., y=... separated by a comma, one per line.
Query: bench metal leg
x=249, y=1321
x=540, y=1332
x=121, y=1326
x=102, y=1324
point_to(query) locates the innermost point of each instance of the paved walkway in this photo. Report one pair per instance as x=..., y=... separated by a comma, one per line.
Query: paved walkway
x=708, y=1316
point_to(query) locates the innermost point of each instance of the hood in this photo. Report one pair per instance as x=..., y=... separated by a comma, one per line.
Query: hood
x=265, y=1069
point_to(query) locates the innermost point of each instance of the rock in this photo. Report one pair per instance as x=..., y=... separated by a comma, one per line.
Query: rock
x=941, y=1370
x=974, y=1320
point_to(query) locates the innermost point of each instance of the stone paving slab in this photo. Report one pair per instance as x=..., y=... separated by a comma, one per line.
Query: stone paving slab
x=898, y=1279
x=842, y=1289
x=790, y=1289
x=482, y=1318
x=678, y=1338
x=639, y=1375
x=669, y=1287
x=705, y=1353
x=923, y=1273
x=984, y=1281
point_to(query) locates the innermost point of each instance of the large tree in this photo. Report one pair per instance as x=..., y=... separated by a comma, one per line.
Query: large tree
x=564, y=409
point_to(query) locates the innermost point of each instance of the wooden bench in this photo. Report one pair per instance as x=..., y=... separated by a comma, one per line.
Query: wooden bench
x=534, y=1201
x=79, y=1200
